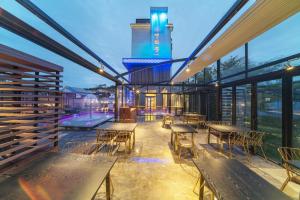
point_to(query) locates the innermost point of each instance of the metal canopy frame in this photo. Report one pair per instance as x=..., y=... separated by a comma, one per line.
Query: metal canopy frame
x=224, y=20
x=19, y=27
x=51, y=22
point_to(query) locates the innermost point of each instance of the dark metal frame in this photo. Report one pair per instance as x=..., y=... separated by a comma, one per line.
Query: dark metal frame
x=51, y=22
x=19, y=27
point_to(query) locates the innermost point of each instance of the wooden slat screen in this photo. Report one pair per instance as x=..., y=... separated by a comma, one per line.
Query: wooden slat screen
x=30, y=103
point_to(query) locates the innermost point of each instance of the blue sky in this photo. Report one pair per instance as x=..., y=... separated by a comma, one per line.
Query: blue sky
x=103, y=25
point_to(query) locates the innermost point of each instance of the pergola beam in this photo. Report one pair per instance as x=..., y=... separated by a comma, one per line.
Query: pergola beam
x=224, y=20
x=17, y=26
x=51, y=22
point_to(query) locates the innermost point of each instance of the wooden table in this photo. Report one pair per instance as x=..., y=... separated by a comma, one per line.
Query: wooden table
x=117, y=126
x=229, y=179
x=181, y=129
x=223, y=131
x=59, y=176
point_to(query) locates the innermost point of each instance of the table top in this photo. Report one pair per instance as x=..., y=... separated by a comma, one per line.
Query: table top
x=294, y=163
x=182, y=128
x=117, y=126
x=232, y=180
x=227, y=128
x=58, y=176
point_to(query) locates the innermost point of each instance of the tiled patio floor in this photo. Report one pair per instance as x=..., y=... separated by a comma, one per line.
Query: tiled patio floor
x=153, y=171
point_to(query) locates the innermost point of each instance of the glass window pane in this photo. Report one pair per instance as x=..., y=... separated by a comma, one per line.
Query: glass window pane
x=211, y=72
x=278, y=42
x=234, y=62
x=243, y=105
x=296, y=111
x=211, y=106
x=227, y=104
x=269, y=115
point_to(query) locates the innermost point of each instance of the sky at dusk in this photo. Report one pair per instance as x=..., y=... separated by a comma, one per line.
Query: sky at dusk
x=104, y=26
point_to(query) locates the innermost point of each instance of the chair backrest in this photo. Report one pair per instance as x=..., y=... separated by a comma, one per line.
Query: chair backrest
x=105, y=134
x=168, y=118
x=256, y=137
x=289, y=153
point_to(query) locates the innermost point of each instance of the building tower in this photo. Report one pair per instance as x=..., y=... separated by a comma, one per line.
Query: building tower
x=151, y=43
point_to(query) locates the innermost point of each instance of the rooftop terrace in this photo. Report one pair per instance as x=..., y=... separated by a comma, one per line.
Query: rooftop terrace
x=150, y=100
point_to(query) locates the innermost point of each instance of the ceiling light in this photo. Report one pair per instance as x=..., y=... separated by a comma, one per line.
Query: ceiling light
x=187, y=69
x=289, y=67
x=101, y=68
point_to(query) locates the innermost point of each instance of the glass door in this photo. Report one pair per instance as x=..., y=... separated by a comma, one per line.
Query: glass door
x=243, y=105
x=296, y=112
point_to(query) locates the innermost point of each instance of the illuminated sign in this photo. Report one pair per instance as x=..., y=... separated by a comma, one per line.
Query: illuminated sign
x=159, y=34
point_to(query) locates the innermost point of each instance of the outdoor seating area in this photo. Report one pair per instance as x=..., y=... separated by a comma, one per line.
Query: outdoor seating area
x=146, y=100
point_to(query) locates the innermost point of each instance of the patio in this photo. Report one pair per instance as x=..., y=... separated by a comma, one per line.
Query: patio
x=154, y=171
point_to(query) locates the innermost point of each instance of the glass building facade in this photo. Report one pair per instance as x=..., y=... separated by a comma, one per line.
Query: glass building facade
x=255, y=86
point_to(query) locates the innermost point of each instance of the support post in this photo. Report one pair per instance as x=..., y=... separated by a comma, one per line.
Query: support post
x=122, y=96
x=287, y=109
x=56, y=108
x=254, y=106
x=219, y=100
x=116, y=102
x=233, y=105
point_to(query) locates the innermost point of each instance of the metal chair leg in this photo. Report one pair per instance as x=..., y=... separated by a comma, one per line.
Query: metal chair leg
x=262, y=150
x=285, y=183
x=195, y=186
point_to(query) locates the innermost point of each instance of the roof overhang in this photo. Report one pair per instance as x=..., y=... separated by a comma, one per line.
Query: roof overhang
x=260, y=17
x=131, y=63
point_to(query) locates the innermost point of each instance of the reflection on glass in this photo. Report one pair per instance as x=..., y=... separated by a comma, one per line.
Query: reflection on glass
x=227, y=104
x=269, y=115
x=211, y=73
x=243, y=105
x=211, y=106
x=296, y=111
x=278, y=42
x=234, y=62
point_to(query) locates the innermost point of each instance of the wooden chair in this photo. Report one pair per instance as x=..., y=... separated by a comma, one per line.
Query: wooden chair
x=202, y=121
x=106, y=139
x=289, y=155
x=124, y=137
x=168, y=120
x=193, y=120
x=185, y=141
x=255, y=139
x=239, y=140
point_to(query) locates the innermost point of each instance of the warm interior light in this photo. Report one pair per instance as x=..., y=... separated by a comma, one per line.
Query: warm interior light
x=101, y=68
x=172, y=83
x=133, y=89
x=187, y=69
x=217, y=84
x=137, y=91
x=289, y=67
